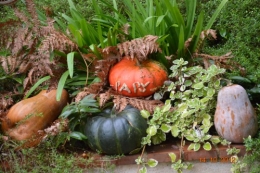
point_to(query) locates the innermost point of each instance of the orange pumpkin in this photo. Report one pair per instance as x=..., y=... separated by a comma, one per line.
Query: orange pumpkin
x=235, y=117
x=26, y=117
x=133, y=79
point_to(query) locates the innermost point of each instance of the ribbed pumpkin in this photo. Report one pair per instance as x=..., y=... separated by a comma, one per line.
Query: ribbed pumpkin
x=116, y=133
x=235, y=117
x=26, y=117
x=131, y=78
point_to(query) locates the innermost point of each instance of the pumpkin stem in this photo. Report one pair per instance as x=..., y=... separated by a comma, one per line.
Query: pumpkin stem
x=137, y=62
x=113, y=111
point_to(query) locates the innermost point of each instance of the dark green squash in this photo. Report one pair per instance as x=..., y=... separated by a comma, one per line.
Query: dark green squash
x=116, y=133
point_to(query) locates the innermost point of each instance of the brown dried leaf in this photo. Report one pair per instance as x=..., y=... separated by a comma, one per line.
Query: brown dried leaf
x=121, y=102
x=220, y=61
x=209, y=34
x=140, y=47
x=23, y=39
x=81, y=95
x=103, y=98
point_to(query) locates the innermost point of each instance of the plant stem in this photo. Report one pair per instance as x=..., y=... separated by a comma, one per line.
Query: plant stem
x=141, y=158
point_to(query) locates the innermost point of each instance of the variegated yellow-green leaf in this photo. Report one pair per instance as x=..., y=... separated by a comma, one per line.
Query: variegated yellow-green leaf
x=207, y=137
x=205, y=99
x=207, y=146
x=206, y=116
x=167, y=106
x=143, y=170
x=217, y=83
x=191, y=146
x=210, y=92
x=215, y=139
x=206, y=122
x=139, y=160
x=152, y=163
x=152, y=130
x=198, y=85
x=145, y=113
x=158, y=138
x=182, y=88
x=188, y=83
x=196, y=146
x=189, y=137
x=182, y=107
x=173, y=157
x=175, y=131
x=165, y=128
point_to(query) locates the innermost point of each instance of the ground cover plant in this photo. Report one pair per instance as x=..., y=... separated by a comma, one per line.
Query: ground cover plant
x=76, y=52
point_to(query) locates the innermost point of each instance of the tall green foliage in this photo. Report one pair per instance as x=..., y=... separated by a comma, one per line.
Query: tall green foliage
x=161, y=18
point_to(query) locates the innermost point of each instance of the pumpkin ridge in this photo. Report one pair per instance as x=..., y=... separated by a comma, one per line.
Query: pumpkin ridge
x=131, y=124
x=116, y=137
x=97, y=141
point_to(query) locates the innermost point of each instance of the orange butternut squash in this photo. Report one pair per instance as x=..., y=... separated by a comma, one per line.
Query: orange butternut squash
x=28, y=116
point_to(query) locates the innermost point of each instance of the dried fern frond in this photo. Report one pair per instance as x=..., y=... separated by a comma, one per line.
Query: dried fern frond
x=81, y=95
x=104, y=97
x=218, y=60
x=121, y=102
x=7, y=30
x=139, y=48
x=27, y=56
x=102, y=68
x=56, y=41
x=206, y=34
x=34, y=16
x=5, y=101
x=125, y=30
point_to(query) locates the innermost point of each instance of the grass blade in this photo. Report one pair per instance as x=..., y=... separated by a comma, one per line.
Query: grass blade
x=180, y=51
x=61, y=84
x=39, y=82
x=70, y=63
x=215, y=14
x=196, y=34
x=191, y=8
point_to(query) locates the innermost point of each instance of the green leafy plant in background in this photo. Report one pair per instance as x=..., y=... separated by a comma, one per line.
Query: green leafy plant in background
x=235, y=21
x=251, y=85
x=90, y=38
x=164, y=19
x=43, y=158
x=136, y=19
x=253, y=157
x=76, y=113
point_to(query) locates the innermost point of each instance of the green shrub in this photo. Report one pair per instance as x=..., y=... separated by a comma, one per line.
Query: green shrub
x=239, y=30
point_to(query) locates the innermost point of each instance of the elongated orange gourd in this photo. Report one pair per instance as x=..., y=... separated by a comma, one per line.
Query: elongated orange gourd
x=28, y=116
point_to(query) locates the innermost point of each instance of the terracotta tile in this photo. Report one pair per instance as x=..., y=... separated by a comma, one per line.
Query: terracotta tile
x=160, y=153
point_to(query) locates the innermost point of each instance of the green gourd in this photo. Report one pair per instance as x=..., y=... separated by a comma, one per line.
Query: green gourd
x=116, y=133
